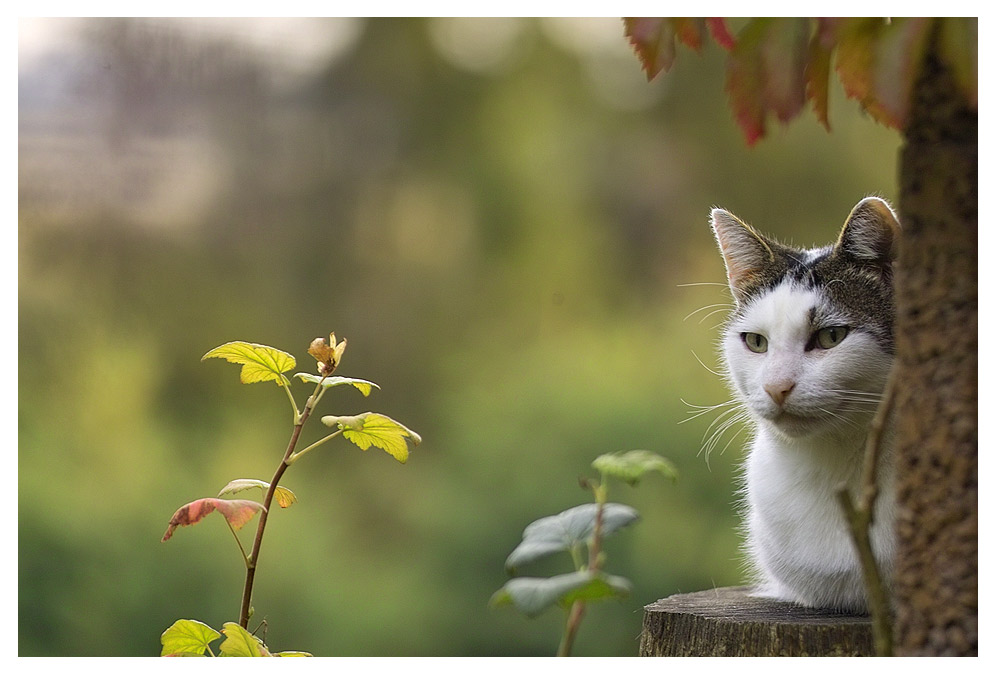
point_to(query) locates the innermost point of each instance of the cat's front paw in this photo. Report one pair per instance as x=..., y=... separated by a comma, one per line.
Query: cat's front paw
x=772, y=590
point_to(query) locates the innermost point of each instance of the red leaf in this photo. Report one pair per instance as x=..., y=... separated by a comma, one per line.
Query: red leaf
x=653, y=41
x=818, y=78
x=720, y=33
x=855, y=56
x=878, y=62
x=689, y=31
x=766, y=72
x=899, y=54
x=784, y=53
x=653, y=38
x=237, y=512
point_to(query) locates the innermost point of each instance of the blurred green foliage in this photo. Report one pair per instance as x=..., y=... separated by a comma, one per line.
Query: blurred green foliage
x=502, y=236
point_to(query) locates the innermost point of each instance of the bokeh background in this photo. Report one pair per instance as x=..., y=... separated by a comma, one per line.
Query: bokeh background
x=504, y=219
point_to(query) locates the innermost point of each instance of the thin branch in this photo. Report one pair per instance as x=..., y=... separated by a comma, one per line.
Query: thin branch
x=571, y=628
x=238, y=541
x=297, y=455
x=290, y=397
x=278, y=474
x=860, y=518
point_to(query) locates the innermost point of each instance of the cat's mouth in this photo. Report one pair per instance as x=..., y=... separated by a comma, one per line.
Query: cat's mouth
x=793, y=424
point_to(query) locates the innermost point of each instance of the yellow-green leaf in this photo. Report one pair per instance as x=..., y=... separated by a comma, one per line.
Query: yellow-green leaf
x=375, y=429
x=630, y=466
x=283, y=496
x=240, y=642
x=259, y=362
x=293, y=654
x=365, y=386
x=187, y=636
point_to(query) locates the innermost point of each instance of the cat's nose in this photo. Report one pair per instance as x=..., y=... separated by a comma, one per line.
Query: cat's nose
x=779, y=391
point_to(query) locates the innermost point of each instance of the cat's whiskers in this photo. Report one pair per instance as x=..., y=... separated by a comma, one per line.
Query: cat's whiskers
x=704, y=283
x=862, y=402
x=701, y=363
x=732, y=417
x=722, y=307
x=703, y=409
x=855, y=394
x=731, y=412
x=838, y=420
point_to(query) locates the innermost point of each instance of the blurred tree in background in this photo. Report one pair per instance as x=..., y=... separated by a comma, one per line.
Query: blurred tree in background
x=501, y=217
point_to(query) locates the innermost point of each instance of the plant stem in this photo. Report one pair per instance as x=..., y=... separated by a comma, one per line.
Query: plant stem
x=297, y=455
x=571, y=629
x=297, y=414
x=577, y=610
x=238, y=541
x=278, y=474
x=859, y=519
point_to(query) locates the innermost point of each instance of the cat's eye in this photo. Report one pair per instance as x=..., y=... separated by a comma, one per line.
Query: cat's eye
x=755, y=342
x=831, y=336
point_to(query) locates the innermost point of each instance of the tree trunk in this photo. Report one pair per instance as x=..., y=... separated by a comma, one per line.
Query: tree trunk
x=936, y=585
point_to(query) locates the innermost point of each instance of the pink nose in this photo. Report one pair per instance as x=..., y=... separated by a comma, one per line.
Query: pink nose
x=779, y=391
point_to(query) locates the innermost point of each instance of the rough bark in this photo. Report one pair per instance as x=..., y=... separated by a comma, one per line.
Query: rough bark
x=729, y=622
x=936, y=585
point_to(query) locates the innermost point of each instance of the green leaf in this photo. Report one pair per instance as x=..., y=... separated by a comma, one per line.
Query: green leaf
x=237, y=512
x=364, y=386
x=187, y=636
x=259, y=362
x=240, y=642
x=566, y=530
x=630, y=466
x=599, y=587
x=532, y=595
x=293, y=654
x=283, y=496
x=375, y=429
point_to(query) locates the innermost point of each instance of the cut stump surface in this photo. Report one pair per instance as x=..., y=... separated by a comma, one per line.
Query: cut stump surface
x=729, y=622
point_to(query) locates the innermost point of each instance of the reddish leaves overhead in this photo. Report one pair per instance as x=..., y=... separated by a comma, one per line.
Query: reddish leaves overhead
x=653, y=39
x=720, y=33
x=237, y=512
x=776, y=64
x=766, y=72
x=878, y=64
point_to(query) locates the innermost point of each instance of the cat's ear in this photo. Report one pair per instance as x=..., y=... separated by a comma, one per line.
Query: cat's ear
x=871, y=233
x=745, y=251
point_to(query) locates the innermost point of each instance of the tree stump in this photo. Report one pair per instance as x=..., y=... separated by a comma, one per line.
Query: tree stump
x=729, y=622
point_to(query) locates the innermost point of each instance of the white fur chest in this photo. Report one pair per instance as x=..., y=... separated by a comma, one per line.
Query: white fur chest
x=797, y=537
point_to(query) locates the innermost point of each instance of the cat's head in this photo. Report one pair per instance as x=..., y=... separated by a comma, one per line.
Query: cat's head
x=809, y=346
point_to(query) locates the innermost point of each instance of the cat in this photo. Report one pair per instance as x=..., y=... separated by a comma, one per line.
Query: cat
x=807, y=351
